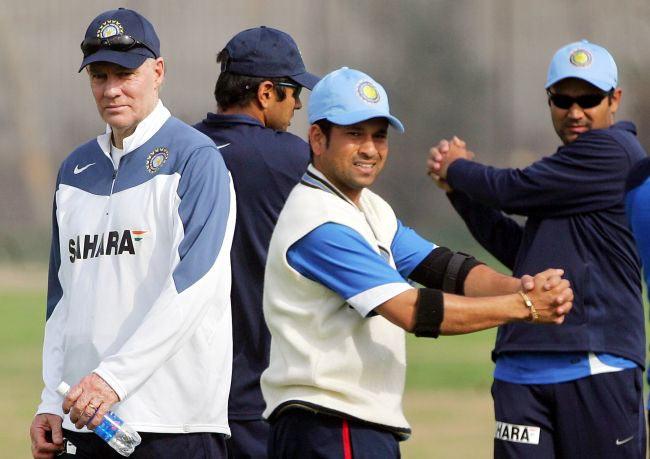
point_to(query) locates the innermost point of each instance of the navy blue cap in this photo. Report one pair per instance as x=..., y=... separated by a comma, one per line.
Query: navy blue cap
x=127, y=22
x=266, y=52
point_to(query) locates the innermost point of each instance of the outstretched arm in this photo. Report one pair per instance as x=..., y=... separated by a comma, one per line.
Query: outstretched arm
x=413, y=310
x=339, y=258
x=583, y=176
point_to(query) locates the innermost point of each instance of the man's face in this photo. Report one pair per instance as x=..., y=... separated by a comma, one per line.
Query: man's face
x=124, y=97
x=570, y=122
x=354, y=155
x=280, y=112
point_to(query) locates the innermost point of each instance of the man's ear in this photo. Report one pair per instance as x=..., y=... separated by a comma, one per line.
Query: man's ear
x=265, y=94
x=615, y=100
x=317, y=140
x=159, y=68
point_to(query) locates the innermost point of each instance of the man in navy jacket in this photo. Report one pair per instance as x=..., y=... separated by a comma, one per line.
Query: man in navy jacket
x=578, y=385
x=262, y=74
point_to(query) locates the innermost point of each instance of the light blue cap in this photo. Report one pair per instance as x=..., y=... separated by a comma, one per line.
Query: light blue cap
x=347, y=96
x=585, y=61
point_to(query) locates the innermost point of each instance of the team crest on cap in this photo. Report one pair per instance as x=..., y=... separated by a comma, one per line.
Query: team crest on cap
x=156, y=159
x=109, y=28
x=368, y=92
x=580, y=58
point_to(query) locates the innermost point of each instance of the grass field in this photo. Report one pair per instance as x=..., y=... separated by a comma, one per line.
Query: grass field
x=447, y=399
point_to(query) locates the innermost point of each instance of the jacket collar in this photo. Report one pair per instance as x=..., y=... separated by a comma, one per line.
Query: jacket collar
x=217, y=119
x=143, y=132
x=315, y=179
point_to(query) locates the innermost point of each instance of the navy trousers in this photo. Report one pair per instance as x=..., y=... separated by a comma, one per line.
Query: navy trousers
x=248, y=439
x=154, y=446
x=301, y=434
x=600, y=416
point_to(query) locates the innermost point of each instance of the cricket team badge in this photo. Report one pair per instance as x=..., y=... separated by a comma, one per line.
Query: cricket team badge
x=156, y=159
x=109, y=28
x=580, y=58
x=368, y=92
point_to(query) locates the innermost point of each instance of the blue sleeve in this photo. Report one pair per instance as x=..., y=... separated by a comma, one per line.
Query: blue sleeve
x=204, y=190
x=638, y=211
x=409, y=249
x=583, y=176
x=498, y=234
x=54, y=289
x=339, y=258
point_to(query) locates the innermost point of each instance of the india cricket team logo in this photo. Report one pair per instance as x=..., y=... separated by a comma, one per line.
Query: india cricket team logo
x=368, y=92
x=580, y=58
x=109, y=28
x=156, y=159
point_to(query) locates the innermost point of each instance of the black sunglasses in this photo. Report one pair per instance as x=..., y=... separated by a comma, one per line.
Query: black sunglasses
x=586, y=101
x=296, y=88
x=116, y=42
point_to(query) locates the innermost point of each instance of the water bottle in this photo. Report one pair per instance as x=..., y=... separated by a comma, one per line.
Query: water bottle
x=113, y=430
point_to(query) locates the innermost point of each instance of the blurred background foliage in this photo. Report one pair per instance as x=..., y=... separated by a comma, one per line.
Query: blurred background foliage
x=475, y=68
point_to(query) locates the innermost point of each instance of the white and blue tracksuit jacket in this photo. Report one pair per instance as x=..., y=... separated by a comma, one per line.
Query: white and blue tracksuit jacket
x=139, y=285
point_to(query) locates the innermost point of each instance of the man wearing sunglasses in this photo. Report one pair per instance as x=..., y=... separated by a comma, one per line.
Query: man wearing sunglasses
x=578, y=385
x=138, y=306
x=257, y=92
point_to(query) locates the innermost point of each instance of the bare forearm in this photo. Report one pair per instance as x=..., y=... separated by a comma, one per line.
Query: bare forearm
x=461, y=314
x=549, y=301
x=467, y=315
x=484, y=281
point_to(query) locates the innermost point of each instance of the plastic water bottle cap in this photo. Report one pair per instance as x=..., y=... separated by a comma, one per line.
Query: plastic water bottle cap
x=63, y=388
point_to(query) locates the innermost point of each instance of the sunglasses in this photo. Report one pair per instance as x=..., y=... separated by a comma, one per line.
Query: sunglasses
x=296, y=88
x=116, y=42
x=586, y=101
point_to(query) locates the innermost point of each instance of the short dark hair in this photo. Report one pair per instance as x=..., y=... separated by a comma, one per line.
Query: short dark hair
x=239, y=90
x=326, y=127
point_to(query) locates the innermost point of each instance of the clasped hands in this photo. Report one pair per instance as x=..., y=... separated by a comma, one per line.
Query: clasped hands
x=551, y=295
x=442, y=155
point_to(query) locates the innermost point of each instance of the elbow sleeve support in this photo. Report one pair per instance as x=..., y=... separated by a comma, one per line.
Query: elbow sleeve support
x=430, y=312
x=445, y=270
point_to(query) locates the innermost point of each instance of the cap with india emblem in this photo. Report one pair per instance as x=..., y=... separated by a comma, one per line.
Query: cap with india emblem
x=347, y=96
x=122, y=36
x=586, y=61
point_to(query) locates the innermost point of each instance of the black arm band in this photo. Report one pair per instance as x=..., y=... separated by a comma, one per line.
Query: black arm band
x=457, y=270
x=445, y=270
x=431, y=271
x=430, y=311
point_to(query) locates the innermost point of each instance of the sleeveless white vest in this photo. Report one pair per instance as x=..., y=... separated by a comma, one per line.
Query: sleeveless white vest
x=323, y=352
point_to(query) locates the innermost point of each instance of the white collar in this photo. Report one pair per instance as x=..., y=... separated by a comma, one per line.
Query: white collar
x=143, y=131
x=318, y=179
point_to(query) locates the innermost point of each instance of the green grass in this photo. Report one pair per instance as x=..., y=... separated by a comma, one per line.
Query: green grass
x=450, y=362
x=447, y=396
x=456, y=363
x=21, y=338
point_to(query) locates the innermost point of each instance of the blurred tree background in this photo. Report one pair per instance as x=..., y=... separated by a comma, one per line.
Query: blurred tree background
x=475, y=68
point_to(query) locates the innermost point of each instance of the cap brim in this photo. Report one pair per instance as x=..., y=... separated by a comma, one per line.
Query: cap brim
x=129, y=60
x=308, y=80
x=598, y=83
x=345, y=119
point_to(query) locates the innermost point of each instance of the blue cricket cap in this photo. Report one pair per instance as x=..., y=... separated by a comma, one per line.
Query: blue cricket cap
x=127, y=23
x=347, y=96
x=266, y=52
x=586, y=61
